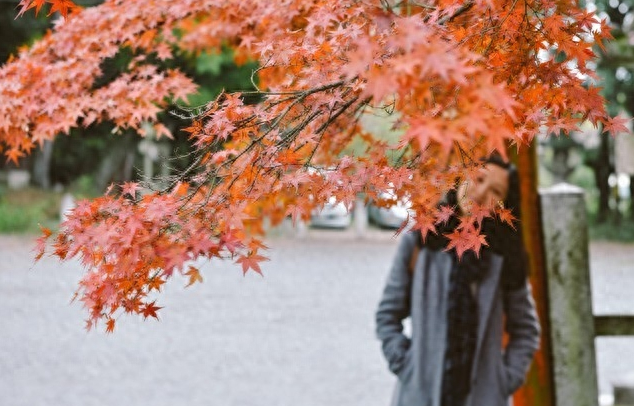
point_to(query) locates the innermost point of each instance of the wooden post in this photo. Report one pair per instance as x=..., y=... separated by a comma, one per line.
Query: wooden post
x=538, y=390
x=570, y=301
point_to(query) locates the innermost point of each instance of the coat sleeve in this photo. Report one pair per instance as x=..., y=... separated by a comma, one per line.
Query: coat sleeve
x=522, y=326
x=394, y=306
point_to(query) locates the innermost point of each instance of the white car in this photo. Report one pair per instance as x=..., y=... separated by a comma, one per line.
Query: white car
x=333, y=214
x=392, y=217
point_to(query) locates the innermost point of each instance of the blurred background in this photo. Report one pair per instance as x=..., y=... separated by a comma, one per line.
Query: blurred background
x=84, y=163
x=304, y=333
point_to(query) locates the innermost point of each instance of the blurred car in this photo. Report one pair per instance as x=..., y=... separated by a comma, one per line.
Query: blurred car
x=333, y=214
x=390, y=217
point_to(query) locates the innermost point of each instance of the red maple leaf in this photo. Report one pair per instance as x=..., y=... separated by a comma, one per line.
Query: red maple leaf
x=476, y=240
x=617, y=125
x=467, y=238
x=296, y=212
x=130, y=188
x=444, y=214
x=478, y=213
x=457, y=242
x=425, y=224
x=149, y=310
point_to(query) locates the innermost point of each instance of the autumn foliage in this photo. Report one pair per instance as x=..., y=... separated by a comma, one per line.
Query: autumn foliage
x=458, y=79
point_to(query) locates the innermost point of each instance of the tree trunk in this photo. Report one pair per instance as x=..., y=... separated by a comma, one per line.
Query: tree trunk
x=602, y=172
x=117, y=165
x=42, y=165
x=538, y=389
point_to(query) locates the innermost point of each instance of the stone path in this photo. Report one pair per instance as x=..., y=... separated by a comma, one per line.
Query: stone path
x=302, y=335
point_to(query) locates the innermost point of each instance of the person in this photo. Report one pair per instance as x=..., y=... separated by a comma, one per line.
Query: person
x=461, y=307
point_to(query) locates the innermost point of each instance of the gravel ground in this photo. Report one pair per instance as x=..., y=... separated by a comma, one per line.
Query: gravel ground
x=302, y=335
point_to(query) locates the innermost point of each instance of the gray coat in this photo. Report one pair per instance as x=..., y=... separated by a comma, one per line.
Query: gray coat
x=418, y=361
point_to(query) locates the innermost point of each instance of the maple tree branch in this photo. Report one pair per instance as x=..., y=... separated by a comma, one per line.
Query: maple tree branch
x=501, y=23
x=300, y=93
x=321, y=130
x=295, y=130
x=463, y=154
x=389, y=7
x=421, y=5
x=461, y=10
x=255, y=86
x=408, y=148
x=497, y=27
x=288, y=135
x=183, y=175
x=336, y=115
x=280, y=117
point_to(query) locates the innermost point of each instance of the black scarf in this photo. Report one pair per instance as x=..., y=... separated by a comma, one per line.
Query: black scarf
x=462, y=315
x=462, y=328
x=462, y=311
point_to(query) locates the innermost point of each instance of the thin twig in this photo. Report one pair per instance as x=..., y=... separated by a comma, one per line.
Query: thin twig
x=461, y=10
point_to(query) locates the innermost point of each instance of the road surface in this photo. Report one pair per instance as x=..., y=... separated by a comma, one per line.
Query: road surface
x=303, y=335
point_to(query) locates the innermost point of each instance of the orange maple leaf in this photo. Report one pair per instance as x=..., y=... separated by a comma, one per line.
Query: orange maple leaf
x=13, y=155
x=251, y=261
x=194, y=276
x=41, y=242
x=29, y=4
x=63, y=6
x=109, y=326
x=155, y=283
x=506, y=216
